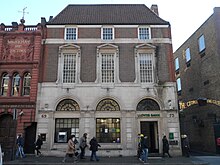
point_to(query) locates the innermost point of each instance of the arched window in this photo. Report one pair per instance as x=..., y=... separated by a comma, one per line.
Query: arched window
x=4, y=84
x=108, y=105
x=15, y=85
x=26, y=84
x=68, y=105
x=148, y=105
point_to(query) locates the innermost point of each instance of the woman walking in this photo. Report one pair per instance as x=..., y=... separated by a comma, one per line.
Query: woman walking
x=70, y=151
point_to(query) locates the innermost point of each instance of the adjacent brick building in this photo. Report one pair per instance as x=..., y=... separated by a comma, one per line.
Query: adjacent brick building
x=20, y=59
x=108, y=71
x=198, y=74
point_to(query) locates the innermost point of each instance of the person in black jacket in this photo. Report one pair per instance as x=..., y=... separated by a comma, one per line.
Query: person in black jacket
x=94, y=148
x=38, y=145
x=165, y=146
x=144, y=148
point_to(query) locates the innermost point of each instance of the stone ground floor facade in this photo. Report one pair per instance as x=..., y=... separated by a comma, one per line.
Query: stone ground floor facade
x=114, y=116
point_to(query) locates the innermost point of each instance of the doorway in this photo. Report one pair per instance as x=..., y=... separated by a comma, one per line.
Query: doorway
x=8, y=136
x=217, y=137
x=30, y=138
x=150, y=129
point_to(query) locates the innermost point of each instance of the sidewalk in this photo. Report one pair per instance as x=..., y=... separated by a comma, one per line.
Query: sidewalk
x=47, y=160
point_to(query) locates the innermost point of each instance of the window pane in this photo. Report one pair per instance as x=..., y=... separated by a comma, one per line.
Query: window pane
x=15, y=85
x=4, y=84
x=146, y=68
x=143, y=33
x=178, y=81
x=69, y=68
x=63, y=130
x=187, y=53
x=27, y=84
x=201, y=43
x=107, y=33
x=176, y=64
x=70, y=33
x=108, y=130
x=107, y=68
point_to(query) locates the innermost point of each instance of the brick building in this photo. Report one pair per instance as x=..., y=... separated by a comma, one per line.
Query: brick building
x=20, y=58
x=108, y=71
x=198, y=75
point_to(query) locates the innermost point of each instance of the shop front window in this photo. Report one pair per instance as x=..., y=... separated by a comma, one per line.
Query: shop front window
x=108, y=130
x=64, y=128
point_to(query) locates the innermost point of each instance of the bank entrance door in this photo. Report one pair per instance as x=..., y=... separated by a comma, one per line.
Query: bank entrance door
x=150, y=128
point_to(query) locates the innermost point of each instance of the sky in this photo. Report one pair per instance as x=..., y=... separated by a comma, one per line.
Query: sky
x=185, y=16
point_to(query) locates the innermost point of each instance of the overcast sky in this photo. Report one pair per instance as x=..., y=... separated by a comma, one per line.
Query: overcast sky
x=185, y=16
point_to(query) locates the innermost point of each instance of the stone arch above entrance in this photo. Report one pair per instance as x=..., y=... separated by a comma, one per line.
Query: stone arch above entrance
x=148, y=105
x=68, y=105
x=108, y=105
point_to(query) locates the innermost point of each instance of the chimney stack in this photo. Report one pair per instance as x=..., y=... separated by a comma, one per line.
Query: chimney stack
x=154, y=8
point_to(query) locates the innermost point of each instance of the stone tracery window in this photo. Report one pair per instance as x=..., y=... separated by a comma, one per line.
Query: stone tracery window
x=147, y=105
x=108, y=105
x=68, y=105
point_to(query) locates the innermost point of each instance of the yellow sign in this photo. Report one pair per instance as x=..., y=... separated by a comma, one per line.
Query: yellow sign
x=184, y=105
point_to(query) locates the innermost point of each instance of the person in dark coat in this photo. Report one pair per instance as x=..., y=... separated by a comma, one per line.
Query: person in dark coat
x=185, y=144
x=144, y=149
x=20, y=146
x=83, y=145
x=94, y=148
x=166, y=147
x=38, y=145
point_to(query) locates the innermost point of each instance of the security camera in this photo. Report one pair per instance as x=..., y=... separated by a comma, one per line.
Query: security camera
x=21, y=113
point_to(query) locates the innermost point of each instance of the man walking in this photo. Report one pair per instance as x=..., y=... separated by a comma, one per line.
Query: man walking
x=20, y=146
x=144, y=148
x=83, y=145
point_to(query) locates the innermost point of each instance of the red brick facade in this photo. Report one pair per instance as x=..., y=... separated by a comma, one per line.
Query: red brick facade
x=20, y=54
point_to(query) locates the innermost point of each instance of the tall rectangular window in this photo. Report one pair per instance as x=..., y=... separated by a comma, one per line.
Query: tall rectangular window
x=201, y=43
x=69, y=68
x=15, y=85
x=64, y=128
x=177, y=64
x=178, y=82
x=188, y=56
x=4, y=84
x=108, y=68
x=107, y=33
x=146, y=67
x=71, y=34
x=27, y=84
x=144, y=33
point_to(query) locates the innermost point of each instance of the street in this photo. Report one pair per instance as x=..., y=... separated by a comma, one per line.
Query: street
x=212, y=160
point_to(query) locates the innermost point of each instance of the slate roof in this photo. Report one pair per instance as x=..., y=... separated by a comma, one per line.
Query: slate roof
x=107, y=14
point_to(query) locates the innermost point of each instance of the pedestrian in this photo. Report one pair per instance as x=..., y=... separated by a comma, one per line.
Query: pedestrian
x=38, y=144
x=139, y=146
x=94, y=148
x=144, y=148
x=70, y=151
x=186, y=146
x=83, y=145
x=166, y=146
x=20, y=146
